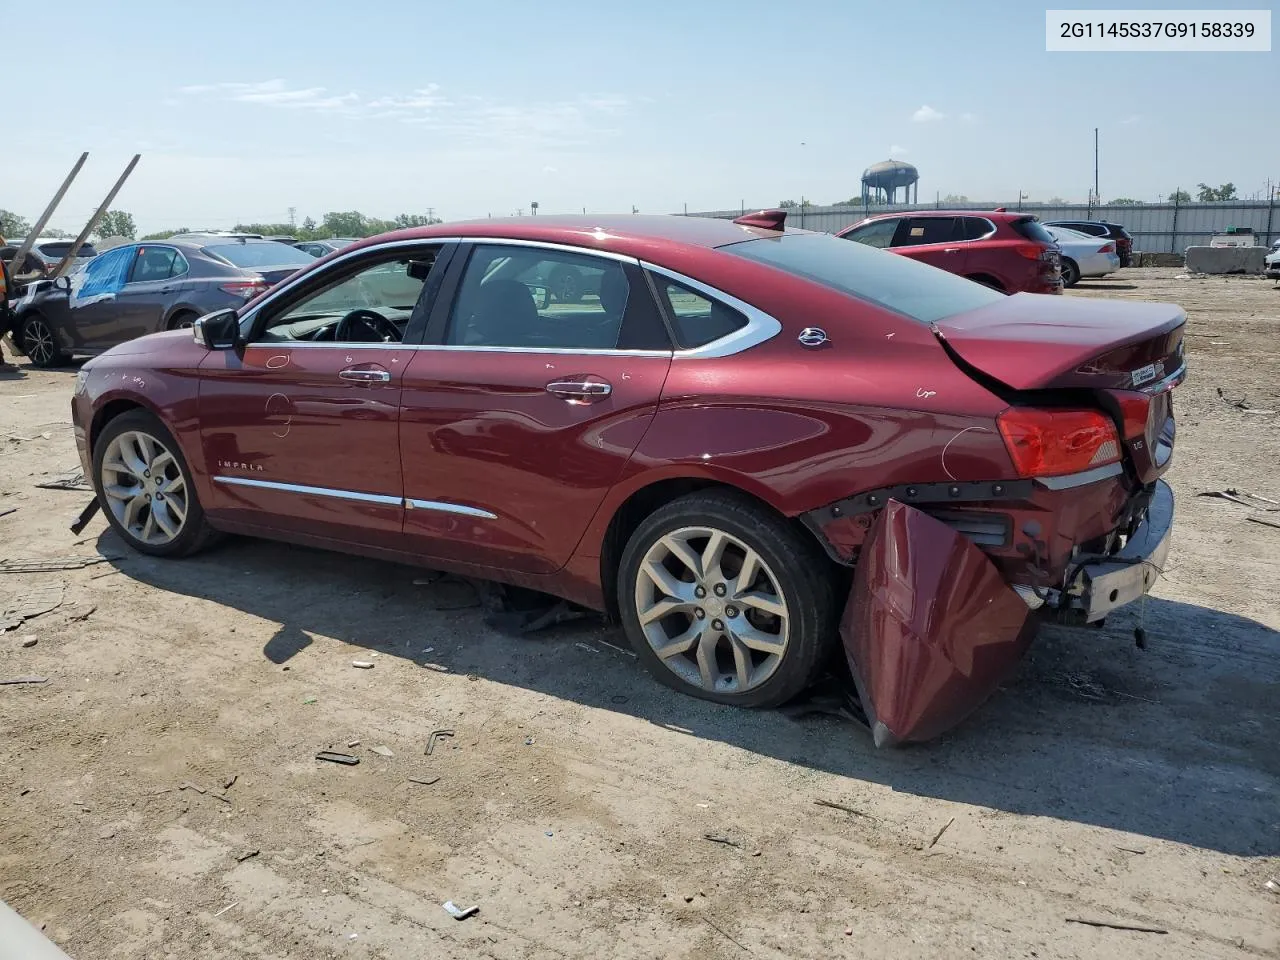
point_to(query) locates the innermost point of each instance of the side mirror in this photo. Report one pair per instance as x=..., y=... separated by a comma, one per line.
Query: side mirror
x=219, y=330
x=63, y=283
x=541, y=296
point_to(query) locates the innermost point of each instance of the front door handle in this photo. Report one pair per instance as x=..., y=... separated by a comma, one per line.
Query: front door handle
x=365, y=376
x=580, y=389
x=950, y=249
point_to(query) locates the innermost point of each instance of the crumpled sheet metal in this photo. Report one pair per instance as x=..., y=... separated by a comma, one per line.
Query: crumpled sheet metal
x=931, y=628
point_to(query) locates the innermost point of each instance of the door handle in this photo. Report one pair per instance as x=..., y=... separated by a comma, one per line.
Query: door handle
x=950, y=249
x=365, y=376
x=583, y=389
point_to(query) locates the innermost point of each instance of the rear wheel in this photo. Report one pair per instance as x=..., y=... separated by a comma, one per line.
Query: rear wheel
x=40, y=343
x=1070, y=272
x=182, y=320
x=144, y=485
x=723, y=600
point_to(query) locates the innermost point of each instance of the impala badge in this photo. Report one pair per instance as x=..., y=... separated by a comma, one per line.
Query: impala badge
x=812, y=337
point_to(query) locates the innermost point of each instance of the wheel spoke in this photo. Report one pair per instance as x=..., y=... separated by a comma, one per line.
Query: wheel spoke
x=116, y=491
x=134, y=461
x=177, y=507
x=149, y=527
x=741, y=661
x=129, y=516
x=712, y=554
x=117, y=465
x=758, y=640
x=147, y=448
x=162, y=461
x=663, y=608
x=160, y=514
x=707, y=642
x=681, y=550
x=764, y=602
x=172, y=485
x=681, y=644
x=663, y=579
x=747, y=574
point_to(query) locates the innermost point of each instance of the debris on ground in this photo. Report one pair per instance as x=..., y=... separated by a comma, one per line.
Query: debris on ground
x=50, y=565
x=248, y=855
x=1242, y=498
x=709, y=923
x=34, y=603
x=458, y=913
x=188, y=785
x=13, y=680
x=1116, y=926
x=1266, y=522
x=841, y=806
x=226, y=908
x=436, y=735
x=1273, y=885
x=425, y=781
x=30, y=641
x=938, y=836
x=614, y=646
x=353, y=743
x=362, y=664
x=85, y=516
x=5, y=511
x=82, y=612
x=345, y=759
x=382, y=751
x=230, y=782
x=69, y=481
x=720, y=838
x=1140, y=853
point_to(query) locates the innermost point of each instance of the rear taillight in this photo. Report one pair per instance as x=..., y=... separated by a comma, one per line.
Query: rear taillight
x=1049, y=443
x=1135, y=411
x=248, y=289
x=1033, y=251
x=1107, y=248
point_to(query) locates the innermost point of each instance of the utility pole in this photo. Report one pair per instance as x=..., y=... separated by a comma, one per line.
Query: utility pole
x=293, y=217
x=1095, y=166
x=431, y=213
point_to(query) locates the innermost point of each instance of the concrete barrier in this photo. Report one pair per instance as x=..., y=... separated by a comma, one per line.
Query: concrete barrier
x=1226, y=259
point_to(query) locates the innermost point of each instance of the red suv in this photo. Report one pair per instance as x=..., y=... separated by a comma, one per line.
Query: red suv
x=1010, y=252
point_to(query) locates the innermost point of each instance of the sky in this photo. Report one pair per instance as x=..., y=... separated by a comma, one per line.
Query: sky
x=242, y=110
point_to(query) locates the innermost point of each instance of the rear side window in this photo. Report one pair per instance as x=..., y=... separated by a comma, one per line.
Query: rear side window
x=917, y=230
x=696, y=320
x=913, y=289
x=975, y=228
x=153, y=263
x=1033, y=229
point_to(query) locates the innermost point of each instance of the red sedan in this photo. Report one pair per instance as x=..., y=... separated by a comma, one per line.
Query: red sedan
x=749, y=444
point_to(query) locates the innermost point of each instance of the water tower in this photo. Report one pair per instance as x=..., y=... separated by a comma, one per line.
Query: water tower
x=880, y=182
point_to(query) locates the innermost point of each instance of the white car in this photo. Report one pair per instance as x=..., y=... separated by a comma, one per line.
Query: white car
x=1083, y=255
x=1272, y=268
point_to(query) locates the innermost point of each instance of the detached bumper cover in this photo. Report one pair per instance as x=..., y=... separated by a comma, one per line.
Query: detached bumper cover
x=1098, y=587
x=931, y=628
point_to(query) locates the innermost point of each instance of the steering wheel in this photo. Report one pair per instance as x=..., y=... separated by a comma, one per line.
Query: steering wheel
x=366, y=326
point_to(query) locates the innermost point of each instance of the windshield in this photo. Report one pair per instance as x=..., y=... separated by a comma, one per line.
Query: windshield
x=914, y=289
x=265, y=253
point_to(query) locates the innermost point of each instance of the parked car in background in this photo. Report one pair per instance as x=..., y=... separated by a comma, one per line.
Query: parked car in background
x=141, y=288
x=322, y=248
x=1082, y=255
x=756, y=441
x=1102, y=228
x=1272, y=263
x=44, y=256
x=1009, y=252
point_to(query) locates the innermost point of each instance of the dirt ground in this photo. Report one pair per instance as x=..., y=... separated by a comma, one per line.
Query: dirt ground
x=161, y=796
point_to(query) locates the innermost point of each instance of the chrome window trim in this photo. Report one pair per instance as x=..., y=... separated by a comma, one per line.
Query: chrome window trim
x=992, y=229
x=553, y=351
x=760, y=326
x=441, y=506
x=377, y=498
x=1067, y=481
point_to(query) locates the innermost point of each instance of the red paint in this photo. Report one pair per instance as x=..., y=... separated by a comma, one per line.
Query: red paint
x=931, y=628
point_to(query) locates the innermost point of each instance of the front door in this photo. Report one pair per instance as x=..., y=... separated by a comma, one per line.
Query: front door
x=154, y=282
x=936, y=241
x=300, y=427
x=93, y=303
x=524, y=412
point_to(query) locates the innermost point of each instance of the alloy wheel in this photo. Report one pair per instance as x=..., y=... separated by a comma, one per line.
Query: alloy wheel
x=145, y=488
x=37, y=341
x=712, y=610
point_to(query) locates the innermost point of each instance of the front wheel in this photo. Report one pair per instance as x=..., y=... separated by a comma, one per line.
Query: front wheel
x=144, y=485
x=40, y=343
x=1070, y=272
x=723, y=600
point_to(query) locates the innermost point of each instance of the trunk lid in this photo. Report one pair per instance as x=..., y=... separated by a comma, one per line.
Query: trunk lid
x=1032, y=342
x=274, y=275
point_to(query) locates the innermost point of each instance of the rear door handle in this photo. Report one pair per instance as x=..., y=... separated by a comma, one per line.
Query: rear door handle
x=365, y=376
x=586, y=388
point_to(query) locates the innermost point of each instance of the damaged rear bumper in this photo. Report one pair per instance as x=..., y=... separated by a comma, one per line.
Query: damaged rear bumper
x=932, y=628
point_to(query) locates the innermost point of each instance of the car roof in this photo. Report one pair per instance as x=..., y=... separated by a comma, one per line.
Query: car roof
x=1002, y=216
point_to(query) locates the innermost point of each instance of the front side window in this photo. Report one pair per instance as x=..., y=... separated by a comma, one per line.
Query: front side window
x=877, y=234
x=899, y=283
x=512, y=296
x=368, y=303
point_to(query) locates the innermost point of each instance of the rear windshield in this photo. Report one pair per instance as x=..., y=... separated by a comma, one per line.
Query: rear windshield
x=60, y=250
x=1033, y=229
x=919, y=291
x=263, y=254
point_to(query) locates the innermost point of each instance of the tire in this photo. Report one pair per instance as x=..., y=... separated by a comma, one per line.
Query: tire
x=803, y=590
x=40, y=342
x=181, y=319
x=566, y=285
x=125, y=460
x=1070, y=272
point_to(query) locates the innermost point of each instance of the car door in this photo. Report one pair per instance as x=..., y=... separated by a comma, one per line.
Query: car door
x=521, y=411
x=93, y=302
x=300, y=426
x=155, y=281
x=936, y=241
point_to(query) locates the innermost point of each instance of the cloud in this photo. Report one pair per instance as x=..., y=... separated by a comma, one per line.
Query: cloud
x=275, y=93
x=426, y=98
x=1132, y=118
x=896, y=151
x=926, y=114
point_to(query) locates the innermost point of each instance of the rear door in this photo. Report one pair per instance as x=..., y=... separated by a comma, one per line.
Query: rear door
x=937, y=241
x=155, y=281
x=522, y=412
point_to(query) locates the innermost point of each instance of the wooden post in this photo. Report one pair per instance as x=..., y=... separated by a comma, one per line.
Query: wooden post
x=43, y=222
x=97, y=215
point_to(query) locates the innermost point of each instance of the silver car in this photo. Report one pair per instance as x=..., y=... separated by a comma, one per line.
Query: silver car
x=1083, y=255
